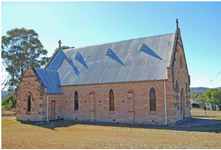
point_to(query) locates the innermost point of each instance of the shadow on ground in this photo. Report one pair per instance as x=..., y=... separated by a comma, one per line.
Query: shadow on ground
x=193, y=124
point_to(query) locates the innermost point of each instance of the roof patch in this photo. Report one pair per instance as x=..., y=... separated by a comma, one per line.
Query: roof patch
x=144, y=48
x=112, y=55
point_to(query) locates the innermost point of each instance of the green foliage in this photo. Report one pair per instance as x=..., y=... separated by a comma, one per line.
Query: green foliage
x=201, y=99
x=9, y=102
x=194, y=95
x=211, y=97
x=21, y=47
x=204, y=106
x=62, y=48
x=216, y=96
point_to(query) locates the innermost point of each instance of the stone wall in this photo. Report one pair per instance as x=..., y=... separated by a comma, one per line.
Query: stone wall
x=131, y=103
x=181, y=82
x=30, y=86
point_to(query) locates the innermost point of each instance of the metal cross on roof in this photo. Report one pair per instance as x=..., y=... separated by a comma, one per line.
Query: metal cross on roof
x=59, y=44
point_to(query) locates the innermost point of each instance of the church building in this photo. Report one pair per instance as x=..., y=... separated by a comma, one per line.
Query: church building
x=143, y=81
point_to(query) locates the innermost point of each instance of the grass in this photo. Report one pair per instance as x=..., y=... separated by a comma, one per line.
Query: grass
x=82, y=135
x=200, y=113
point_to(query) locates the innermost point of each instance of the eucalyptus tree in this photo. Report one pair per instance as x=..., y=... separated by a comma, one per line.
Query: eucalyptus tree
x=21, y=47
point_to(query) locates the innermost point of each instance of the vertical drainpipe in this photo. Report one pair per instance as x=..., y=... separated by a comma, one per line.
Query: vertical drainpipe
x=47, y=108
x=165, y=100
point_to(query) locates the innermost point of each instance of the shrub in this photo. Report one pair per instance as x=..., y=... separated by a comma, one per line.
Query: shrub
x=9, y=102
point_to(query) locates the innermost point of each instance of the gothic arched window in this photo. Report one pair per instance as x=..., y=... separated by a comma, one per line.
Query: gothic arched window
x=152, y=99
x=111, y=100
x=76, y=100
x=29, y=103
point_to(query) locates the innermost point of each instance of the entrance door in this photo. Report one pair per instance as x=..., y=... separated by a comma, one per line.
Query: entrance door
x=52, y=110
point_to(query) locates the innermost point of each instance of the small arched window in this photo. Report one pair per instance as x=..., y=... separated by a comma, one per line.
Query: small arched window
x=29, y=103
x=76, y=100
x=111, y=100
x=152, y=99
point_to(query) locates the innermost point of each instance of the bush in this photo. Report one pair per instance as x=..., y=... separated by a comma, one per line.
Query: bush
x=9, y=102
x=204, y=107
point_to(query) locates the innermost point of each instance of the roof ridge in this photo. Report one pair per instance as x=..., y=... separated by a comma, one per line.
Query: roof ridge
x=117, y=41
x=46, y=69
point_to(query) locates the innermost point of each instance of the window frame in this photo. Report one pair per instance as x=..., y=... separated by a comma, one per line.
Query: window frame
x=153, y=99
x=111, y=100
x=29, y=104
x=76, y=101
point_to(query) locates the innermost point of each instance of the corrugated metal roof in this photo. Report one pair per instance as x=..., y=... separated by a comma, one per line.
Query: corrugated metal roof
x=51, y=80
x=143, y=59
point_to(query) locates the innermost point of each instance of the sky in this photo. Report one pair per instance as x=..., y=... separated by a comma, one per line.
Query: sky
x=89, y=23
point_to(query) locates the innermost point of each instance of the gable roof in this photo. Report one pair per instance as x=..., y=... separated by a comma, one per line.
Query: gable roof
x=143, y=59
x=135, y=60
x=50, y=79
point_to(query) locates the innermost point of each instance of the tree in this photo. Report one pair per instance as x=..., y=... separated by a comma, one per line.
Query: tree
x=201, y=99
x=216, y=95
x=204, y=108
x=9, y=102
x=62, y=47
x=210, y=98
x=195, y=94
x=21, y=47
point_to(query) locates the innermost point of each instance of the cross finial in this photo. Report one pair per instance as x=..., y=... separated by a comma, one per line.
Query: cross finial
x=177, y=23
x=59, y=44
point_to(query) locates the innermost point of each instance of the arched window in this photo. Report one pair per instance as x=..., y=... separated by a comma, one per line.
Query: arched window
x=111, y=100
x=76, y=100
x=152, y=99
x=29, y=103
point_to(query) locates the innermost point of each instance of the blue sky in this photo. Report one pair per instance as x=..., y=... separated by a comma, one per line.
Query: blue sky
x=90, y=23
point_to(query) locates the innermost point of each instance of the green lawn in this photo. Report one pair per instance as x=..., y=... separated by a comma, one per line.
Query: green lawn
x=81, y=135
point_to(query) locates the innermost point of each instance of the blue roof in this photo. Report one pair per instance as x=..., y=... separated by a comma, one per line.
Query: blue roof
x=51, y=80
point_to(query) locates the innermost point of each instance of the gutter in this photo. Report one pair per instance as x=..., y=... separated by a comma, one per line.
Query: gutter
x=165, y=101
